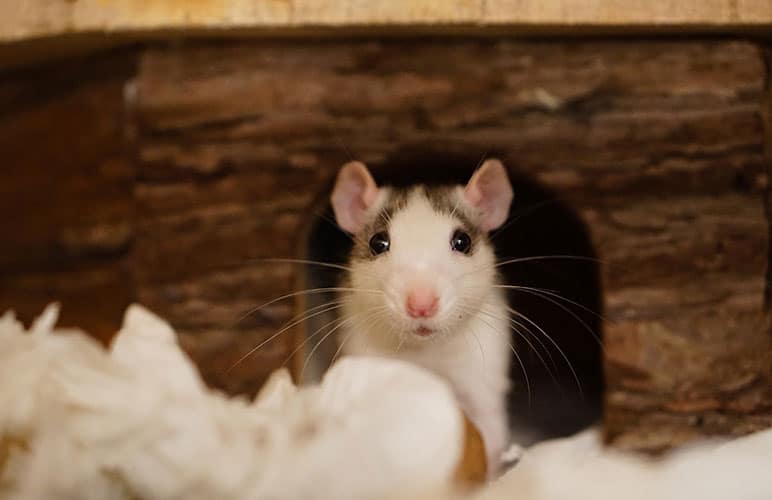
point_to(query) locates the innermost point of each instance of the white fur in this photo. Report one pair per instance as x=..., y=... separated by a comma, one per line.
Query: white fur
x=470, y=346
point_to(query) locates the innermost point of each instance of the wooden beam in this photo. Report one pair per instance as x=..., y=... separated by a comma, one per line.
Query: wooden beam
x=627, y=13
x=46, y=18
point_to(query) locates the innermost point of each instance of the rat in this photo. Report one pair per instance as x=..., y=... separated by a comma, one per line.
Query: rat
x=420, y=285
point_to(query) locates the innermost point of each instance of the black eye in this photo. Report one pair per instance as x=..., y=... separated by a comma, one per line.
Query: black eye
x=460, y=241
x=379, y=243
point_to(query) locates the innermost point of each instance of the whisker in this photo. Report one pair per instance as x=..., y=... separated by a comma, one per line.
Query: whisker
x=402, y=337
x=541, y=343
x=351, y=333
x=326, y=335
x=519, y=361
x=302, y=261
x=514, y=324
x=331, y=265
x=529, y=259
x=399, y=346
x=466, y=340
x=305, y=292
x=310, y=355
x=309, y=337
x=482, y=353
x=315, y=333
x=307, y=314
x=305, y=317
x=537, y=292
x=545, y=293
x=316, y=308
x=525, y=375
x=340, y=347
x=562, y=353
x=548, y=257
x=553, y=293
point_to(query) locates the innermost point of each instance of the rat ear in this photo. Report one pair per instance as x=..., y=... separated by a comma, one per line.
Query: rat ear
x=354, y=193
x=490, y=193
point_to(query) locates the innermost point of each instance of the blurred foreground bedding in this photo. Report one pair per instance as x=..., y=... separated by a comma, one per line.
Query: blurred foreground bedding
x=136, y=422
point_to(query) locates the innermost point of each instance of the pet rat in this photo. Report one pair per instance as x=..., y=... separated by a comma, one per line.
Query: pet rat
x=421, y=279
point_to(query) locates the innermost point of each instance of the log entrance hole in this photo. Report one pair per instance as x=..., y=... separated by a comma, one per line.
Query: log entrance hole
x=540, y=224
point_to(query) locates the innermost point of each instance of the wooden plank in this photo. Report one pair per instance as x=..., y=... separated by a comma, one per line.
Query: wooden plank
x=625, y=13
x=45, y=18
x=364, y=13
x=657, y=146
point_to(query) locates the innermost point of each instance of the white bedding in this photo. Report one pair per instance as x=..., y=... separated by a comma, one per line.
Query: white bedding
x=79, y=422
x=136, y=422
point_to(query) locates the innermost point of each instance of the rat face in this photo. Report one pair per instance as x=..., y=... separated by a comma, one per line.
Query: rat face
x=422, y=261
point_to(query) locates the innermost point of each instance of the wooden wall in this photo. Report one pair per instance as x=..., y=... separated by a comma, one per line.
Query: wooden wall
x=658, y=146
x=66, y=193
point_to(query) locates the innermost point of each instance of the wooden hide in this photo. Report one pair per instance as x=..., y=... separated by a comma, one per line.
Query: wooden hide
x=658, y=146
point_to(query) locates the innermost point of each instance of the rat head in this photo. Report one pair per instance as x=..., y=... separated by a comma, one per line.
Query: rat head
x=422, y=263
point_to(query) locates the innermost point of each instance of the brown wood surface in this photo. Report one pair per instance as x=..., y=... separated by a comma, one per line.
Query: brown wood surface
x=169, y=184
x=47, y=18
x=66, y=191
x=657, y=145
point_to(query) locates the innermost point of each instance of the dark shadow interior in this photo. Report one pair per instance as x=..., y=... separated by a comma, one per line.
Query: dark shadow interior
x=539, y=225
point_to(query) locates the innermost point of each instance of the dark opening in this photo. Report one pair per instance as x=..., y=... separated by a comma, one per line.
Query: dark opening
x=539, y=225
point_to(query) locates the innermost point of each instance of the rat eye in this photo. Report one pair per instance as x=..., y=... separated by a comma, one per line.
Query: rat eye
x=460, y=241
x=379, y=243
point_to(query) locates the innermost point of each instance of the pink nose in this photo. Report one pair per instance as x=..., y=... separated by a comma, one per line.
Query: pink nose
x=422, y=302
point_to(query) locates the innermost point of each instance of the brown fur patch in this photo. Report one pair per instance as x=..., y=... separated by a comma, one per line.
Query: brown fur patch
x=441, y=198
x=444, y=201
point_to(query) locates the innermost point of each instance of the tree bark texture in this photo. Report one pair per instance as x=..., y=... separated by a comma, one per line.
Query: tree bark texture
x=658, y=146
x=66, y=192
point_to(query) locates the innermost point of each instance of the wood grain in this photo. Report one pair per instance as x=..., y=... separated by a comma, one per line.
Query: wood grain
x=46, y=18
x=67, y=191
x=657, y=146
x=172, y=181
